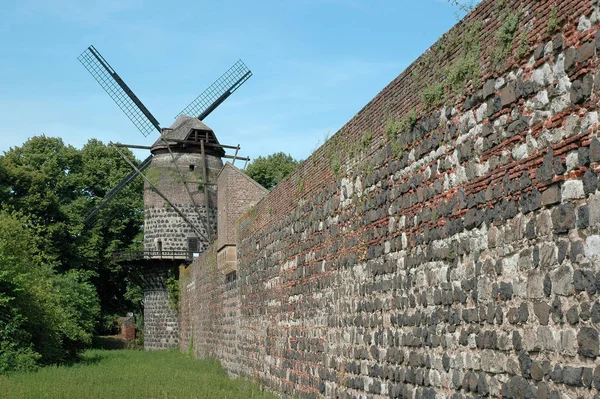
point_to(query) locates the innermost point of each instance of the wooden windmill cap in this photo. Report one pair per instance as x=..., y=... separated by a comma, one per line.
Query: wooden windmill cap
x=186, y=134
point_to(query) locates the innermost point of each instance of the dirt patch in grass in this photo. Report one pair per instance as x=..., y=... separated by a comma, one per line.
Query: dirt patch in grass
x=112, y=342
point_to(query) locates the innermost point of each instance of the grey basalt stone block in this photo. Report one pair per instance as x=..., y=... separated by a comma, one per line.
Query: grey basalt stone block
x=581, y=89
x=538, y=52
x=595, y=312
x=509, y=93
x=572, y=315
x=594, y=150
x=489, y=88
x=584, y=312
x=570, y=58
x=557, y=374
x=557, y=42
x=583, y=156
x=547, y=285
x=551, y=195
x=518, y=387
x=556, y=310
x=583, y=217
x=536, y=371
x=546, y=171
x=562, y=280
x=596, y=377
x=542, y=311
x=572, y=375
x=587, y=377
x=588, y=344
x=586, y=51
x=584, y=280
x=577, y=249
x=563, y=218
x=494, y=105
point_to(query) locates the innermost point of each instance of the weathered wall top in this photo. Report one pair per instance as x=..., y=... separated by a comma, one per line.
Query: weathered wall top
x=499, y=42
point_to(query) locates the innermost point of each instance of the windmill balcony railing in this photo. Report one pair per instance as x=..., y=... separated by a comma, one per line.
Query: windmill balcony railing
x=127, y=255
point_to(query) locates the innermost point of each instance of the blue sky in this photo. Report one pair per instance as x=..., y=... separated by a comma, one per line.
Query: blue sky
x=316, y=63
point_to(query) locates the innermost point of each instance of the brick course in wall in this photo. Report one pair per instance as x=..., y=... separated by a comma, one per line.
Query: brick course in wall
x=432, y=248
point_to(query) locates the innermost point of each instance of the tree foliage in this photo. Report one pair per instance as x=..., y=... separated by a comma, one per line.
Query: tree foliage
x=46, y=316
x=54, y=270
x=270, y=170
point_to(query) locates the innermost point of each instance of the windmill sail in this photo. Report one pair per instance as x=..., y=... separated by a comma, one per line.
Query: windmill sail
x=122, y=95
x=218, y=92
x=90, y=217
x=116, y=88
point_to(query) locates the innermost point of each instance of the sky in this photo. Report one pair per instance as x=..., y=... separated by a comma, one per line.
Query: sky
x=315, y=64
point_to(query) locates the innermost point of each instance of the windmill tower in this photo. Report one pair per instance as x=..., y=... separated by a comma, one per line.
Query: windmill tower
x=193, y=158
x=180, y=196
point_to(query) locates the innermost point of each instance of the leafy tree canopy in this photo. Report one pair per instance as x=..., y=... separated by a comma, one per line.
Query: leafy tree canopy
x=45, y=316
x=52, y=186
x=270, y=170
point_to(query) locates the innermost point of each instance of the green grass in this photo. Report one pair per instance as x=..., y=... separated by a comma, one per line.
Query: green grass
x=131, y=374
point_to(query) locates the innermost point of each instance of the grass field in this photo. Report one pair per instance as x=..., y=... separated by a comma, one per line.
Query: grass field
x=130, y=374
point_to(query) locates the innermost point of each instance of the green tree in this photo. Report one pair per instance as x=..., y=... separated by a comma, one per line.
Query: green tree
x=117, y=226
x=55, y=185
x=39, y=179
x=270, y=170
x=46, y=316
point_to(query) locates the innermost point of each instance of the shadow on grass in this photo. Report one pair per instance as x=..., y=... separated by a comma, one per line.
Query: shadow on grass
x=85, y=360
x=110, y=342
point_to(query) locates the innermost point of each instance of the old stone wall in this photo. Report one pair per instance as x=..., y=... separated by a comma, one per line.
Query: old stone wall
x=160, y=321
x=209, y=312
x=445, y=242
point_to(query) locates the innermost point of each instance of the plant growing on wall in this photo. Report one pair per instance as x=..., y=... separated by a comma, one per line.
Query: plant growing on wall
x=505, y=35
x=454, y=78
x=553, y=21
x=432, y=94
x=366, y=140
x=173, y=288
x=523, y=45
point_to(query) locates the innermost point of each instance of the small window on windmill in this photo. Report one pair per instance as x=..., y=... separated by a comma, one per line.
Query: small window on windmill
x=192, y=167
x=193, y=247
x=231, y=277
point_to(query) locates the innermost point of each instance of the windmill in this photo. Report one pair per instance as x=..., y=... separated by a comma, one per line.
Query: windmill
x=179, y=194
x=189, y=143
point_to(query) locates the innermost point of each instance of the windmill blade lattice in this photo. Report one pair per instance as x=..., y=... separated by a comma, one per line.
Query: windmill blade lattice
x=89, y=218
x=121, y=94
x=217, y=92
